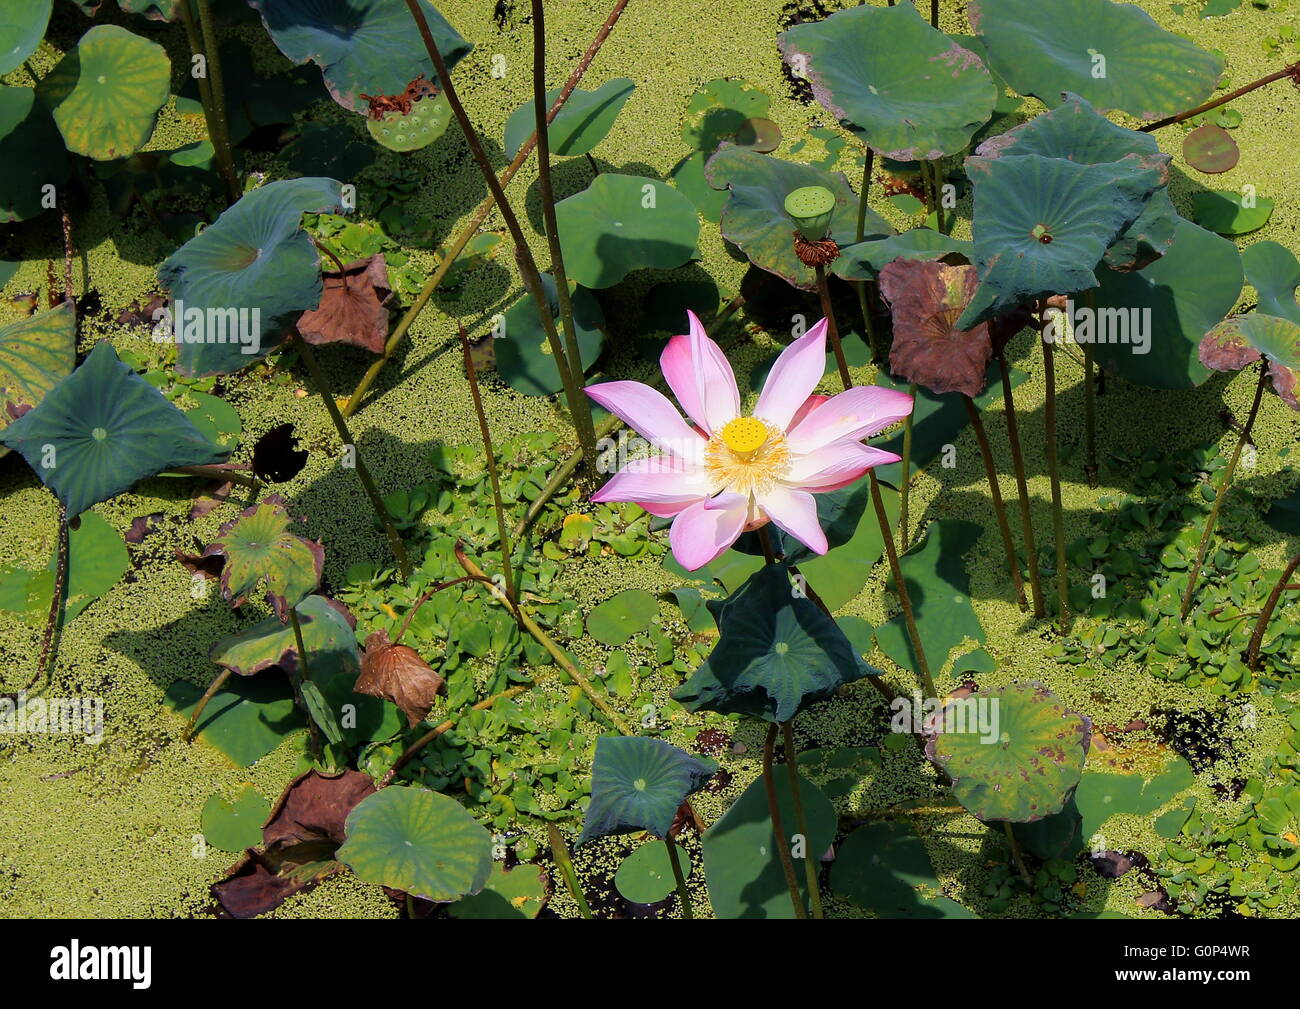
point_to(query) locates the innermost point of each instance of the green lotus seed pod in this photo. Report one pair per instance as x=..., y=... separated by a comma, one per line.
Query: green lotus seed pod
x=810, y=208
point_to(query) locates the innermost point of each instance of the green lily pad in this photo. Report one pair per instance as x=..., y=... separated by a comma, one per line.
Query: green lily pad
x=102, y=429
x=1042, y=224
x=1179, y=297
x=1243, y=339
x=777, y=653
x=1211, y=149
x=234, y=826
x=36, y=354
x=509, y=893
x=426, y=122
x=622, y=223
x=646, y=875
x=883, y=867
x=638, y=783
x=418, y=841
x=719, y=110
x=22, y=26
x=245, y=721
x=32, y=152
x=754, y=218
x=257, y=546
x=1029, y=769
x=1229, y=213
x=582, y=123
x=256, y=258
x=97, y=559
x=361, y=46
x=688, y=176
x=1147, y=71
x=740, y=857
x=619, y=617
x=1274, y=272
x=523, y=353
x=906, y=89
x=865, y=260
x=106, y=92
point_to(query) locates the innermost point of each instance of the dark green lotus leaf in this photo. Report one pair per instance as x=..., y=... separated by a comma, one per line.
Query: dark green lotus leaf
x=938, y=583
x=257, y=547
x=865, y=260
x=754, y=218
x=688, y=176
x=1148, y=238
x=1211, y=149
x=1230, y=213
x=246, y=720
x=907, y=90
x=646, y=876
x=926, y=298
x=639, y=783
x=719, y=110
x=1044, y=49
x=523, y=354
x=777, y=653
x=1178, y=298
x=740, y=856
x=1243, y=339
x=97, y=559
x=106, y=92
x=1042, y=224
x=362, y=46
x=622, y=615
x=622, y=223
x=884, y=868
x=36, y=354
x=582, y=123
x=237, y=824
x=1015, y=753
x=1274, y=272
x=32, y=153
x=426, y=122
x=154, y=10
x=418, y=841
x=326, y=627
x=509, y=893
x=22, y=26
x=102, y=429
x=247, y=275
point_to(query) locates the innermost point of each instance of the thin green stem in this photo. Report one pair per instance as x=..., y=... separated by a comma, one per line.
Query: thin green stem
x=934, y=13
x=1054, y=473
x=860, y=232
x=218, y=125
x=905, y=477
x=810, y=858
x=445, y=726
x=301, y=674
x=1090, y=468
x=1022, y=488
x=683, y=895
x=778, y=826
x=54, y=619
x=560, y=852
x=217, y=682
x=999, y=509
x=1291, y=71
x=1017, y=855
x=1257, y=636
x=904, y=599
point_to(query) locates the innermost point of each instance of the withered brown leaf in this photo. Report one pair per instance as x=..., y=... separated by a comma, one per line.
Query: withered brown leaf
x=352, y=307
x=399, y=674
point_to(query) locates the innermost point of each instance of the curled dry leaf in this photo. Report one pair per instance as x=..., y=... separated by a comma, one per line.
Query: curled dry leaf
x=927, y=298
x=397, y=673
x=353, y=307
x=1241, y=340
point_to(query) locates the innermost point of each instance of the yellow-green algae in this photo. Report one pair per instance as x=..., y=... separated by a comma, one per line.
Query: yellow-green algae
x=111, y=830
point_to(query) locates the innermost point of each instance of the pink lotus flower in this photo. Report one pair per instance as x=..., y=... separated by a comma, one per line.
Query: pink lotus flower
x=729, y=473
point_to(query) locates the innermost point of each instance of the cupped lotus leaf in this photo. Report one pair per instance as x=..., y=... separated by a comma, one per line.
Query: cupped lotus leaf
x=36, y=354
x=1015, y=753
x=906, y=89
x=1175, y=301
x=509, y=893
x=102, y=429
x=22, y=26
x=884, y=868
x=247, y=275
x=106, y=92
x=865, y=260
x=622, y=223
x=233, y=825
x=582, y=122
x=619, y=617
x=719, y=110
x=326, y=627
x=754, y=218
x=1211, y=149
x=1112, y=54
x=523, y=353
x=639, y=783
x=1230, y=213
x=1274, y=272
x=926, y=299
x=258, y=547
x=31, y=151
x=362, y=46
x=418, y=841
x=646, y=876
x=411, y=131
x=1042, y=224
x=1244, y=339
x=777, y=653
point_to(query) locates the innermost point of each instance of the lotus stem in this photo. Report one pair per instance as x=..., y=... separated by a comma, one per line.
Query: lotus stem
x=341, y=425
x=1090, y=469
x=582, y=417
x=217, y=683
x=54, y=620
x=999, y=509
x=1054, y=472
x=560, y=852
x=765, y=542
x=68, y=253
x=904, y=599
x=1291, y=71
x=864, y=286
x=523, y=255
x=1017, y=854
x=480, y=215
x=778, y=827
x=1257, y=637
x=832, y=329
x=220, y=473
x=1208, y=533
x=202, y=38
x=1022, y=488
x=934, y=13
x=297, y=678
x=491, y=460
x=810, y=858
x=905, y=478
x=683, y=895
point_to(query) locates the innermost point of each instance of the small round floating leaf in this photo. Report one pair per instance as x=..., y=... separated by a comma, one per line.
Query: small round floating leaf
x=418, y=841
x=235, y=825
x=22, y=25
x=582, y=122
x=622, y=223
x=760, y=135
x=523, y=353
x=884, y=868
x=618, y=618
x=646, y=876
x=426, y=122
x=1112, y=54
x=1230, y=213
x=1274, y=272
x=362, y=46
x=907, y=90
x=1211, y=149
x=1028, y=769
x=719, y=110
x=811, y=208
x=510, y=893
x=36, y=354
x=102, y=429
x=106, y=92
x=638, y=783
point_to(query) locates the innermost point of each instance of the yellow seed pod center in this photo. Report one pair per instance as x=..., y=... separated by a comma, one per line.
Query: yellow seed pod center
x=745, y=435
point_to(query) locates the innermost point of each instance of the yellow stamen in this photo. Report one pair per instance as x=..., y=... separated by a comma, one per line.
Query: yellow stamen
x=746, y=456
x=745, y=435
